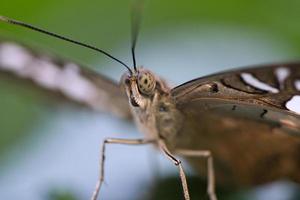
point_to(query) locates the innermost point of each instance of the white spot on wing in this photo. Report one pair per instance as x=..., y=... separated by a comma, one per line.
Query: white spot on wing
x=282, y=73
x=297, y=85
x=43, y=72
x=13, y=57
x=72, y=84
x=294, y=104
x=254, y=82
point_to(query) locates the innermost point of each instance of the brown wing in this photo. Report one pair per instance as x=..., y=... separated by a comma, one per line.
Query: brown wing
x=249, y=119
x=61, y=78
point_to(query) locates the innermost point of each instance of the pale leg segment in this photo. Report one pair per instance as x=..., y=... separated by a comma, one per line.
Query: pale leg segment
x=102, y=157
x=210, y=168
x=177, y=162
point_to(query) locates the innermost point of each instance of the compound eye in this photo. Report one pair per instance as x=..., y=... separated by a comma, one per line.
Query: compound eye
x=146, y=83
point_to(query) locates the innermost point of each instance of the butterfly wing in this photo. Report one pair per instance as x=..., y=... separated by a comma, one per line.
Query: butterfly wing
x=249, y=119
x=62, y=79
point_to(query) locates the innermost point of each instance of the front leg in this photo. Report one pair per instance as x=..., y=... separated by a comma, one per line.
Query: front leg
x=210, y=168
x=102, y=157
x=177, y=162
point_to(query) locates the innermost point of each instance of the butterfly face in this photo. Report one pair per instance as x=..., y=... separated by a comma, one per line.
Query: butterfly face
x=140, y=87
x=152, y=106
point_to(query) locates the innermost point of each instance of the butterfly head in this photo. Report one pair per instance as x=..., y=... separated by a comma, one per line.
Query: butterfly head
x=140, y=86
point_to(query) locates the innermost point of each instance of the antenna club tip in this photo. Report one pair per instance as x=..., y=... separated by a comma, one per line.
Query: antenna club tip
x=4, y=19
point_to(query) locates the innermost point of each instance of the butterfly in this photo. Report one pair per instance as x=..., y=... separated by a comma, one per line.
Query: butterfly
x=245, y=123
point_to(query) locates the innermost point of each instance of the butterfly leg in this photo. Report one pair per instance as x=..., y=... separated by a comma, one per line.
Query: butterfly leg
x=210, y=168
x=177, y=162
x=102, y=157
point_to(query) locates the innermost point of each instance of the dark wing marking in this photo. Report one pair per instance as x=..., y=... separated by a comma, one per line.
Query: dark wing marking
x=247, y=123
x=67, y=79
x=272, y=85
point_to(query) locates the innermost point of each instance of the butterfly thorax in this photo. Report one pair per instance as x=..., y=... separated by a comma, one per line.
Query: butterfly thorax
x=152, y=105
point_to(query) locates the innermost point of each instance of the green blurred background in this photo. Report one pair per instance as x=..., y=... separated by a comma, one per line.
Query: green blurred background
x=106, y=24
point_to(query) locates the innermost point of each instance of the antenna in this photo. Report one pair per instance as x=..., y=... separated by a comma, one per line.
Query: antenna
x=29, y=26
x=137, y=7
